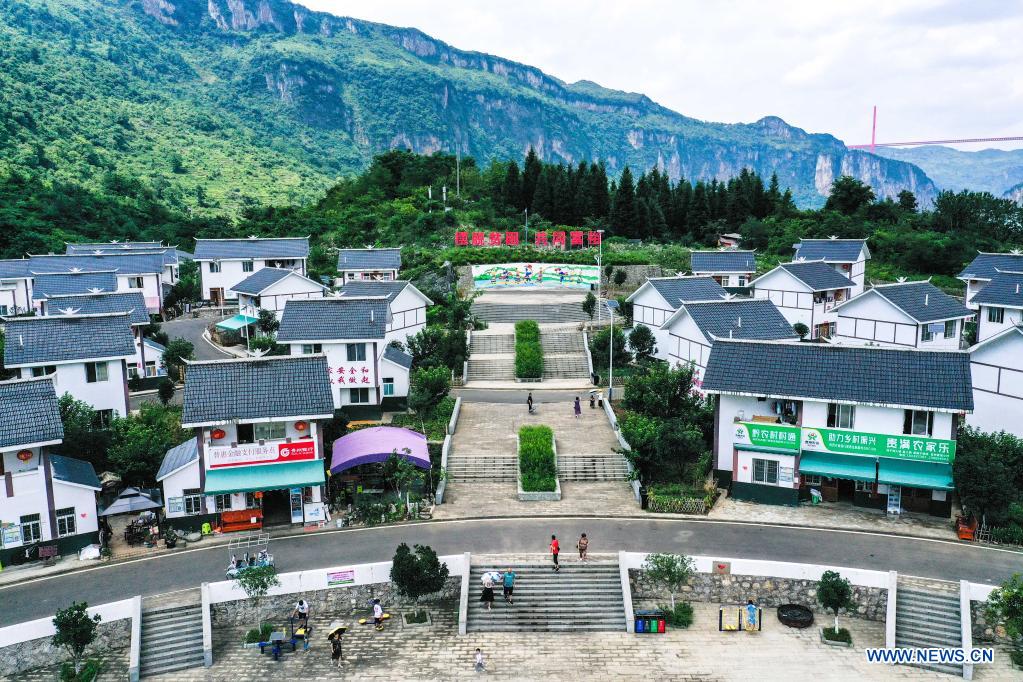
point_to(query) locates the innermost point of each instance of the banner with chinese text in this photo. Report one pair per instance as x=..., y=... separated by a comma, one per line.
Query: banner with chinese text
x=895, y=446
x=755, y=434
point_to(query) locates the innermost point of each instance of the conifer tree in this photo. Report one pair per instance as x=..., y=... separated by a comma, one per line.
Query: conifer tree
x=623, y=212
x=530, y=176
x=511, y=188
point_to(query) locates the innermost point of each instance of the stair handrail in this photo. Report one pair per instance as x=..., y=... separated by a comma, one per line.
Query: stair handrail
x=623, y=572
x=135, y=646
x=207, y=626
x=966, y=625
x=589, y=357
x=891, y=610
x=463, y=596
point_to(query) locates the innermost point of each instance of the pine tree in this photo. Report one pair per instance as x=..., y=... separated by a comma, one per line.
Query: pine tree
x=543, y=197
x=530, y=176
x=599, y=199
x=773, y=194
x=623, y=213
x=511, y=189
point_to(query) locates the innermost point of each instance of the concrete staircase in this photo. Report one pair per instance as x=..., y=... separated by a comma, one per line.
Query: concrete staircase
x=603, y=467
x=581, y=597
x=491, y=368
x=927, y=616
x=171, y=639
x=481, y=467
x=561, y=342
x=492, y=344
x=564, y=355
x=543, y=313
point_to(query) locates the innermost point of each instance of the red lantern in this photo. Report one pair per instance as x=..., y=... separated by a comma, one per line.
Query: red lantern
x=300, y=426
x=25, y=455
x=217, y=434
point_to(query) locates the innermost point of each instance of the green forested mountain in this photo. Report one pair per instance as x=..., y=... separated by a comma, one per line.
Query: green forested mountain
x=211, y=106
x=998, y=171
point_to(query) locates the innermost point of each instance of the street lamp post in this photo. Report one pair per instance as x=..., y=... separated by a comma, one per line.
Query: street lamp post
x=612, y=306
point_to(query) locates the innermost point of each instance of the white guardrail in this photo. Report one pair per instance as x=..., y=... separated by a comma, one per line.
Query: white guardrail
x=43, y=627
x=445, y=450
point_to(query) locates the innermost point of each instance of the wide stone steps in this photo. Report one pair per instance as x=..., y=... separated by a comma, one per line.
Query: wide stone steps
x=928, y=619
x=562, y=342
x=603, y=467
x=492, y=344
x=565, y=367
x=554, y=313
x=491, y=369
x=171, y=640
x=482, y=467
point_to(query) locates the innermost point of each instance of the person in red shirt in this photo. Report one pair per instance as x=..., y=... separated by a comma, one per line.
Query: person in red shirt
x=555, y=549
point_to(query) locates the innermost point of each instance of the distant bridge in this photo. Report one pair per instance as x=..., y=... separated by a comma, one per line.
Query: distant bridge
x=874, y=144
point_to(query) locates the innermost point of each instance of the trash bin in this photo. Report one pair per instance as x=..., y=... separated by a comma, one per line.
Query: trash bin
x=815, y=496
x=644, y=501
x=650, y=622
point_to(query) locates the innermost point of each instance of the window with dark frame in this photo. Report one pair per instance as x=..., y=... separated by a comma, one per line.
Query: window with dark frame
x=358, y=395
x=247, y=266
x=950, y=329
x=996, y=315
x=388, y=386
x=66, y=521
x=356, y=352
x=96, y=372
x=310, y=348
x=918, y=423
x=193, y=501
x=841, y=416
x=222, y=502
x=31, y=530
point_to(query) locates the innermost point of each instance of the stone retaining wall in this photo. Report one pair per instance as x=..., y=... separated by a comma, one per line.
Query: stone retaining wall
x=870, y=602
x=112, y=637
x=983, y=630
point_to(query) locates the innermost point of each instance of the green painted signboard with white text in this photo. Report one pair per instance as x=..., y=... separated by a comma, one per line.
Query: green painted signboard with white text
x=894, y=446
x=777, y=436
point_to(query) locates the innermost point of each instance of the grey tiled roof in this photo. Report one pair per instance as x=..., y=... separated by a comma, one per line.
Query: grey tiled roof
x=742, y=318
x=64, y=338
x=29, y=412
x=71, y=470
x=374, y=288
x=271, y=388
x=923, y=301
x=723, y=261
x=987, y=265
x=679, y=290
x=369, y=259
x=832, y=250
x=10, y=269
x=398, y=357
x=133, y=263
x=177, y=457
x=131, y=302
x=67, y=283
x=169, y=253
x=333, y=318
x=1004, y=289
x=861, y=374
x=256, y=283
x=817, y=275
x=270, y=248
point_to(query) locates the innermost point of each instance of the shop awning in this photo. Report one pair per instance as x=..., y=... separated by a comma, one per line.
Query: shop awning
x=264, y=477
x=837, y=466
x=916, y=474
x=237, y=322
x=368, y=446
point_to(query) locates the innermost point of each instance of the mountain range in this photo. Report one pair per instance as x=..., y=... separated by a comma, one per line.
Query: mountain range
x=988, y=170
x=217, y=105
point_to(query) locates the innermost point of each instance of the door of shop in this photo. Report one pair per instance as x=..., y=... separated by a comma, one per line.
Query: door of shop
x=276, y=507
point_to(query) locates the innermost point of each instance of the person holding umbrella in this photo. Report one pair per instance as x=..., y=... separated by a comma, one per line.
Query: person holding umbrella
x=336, y=633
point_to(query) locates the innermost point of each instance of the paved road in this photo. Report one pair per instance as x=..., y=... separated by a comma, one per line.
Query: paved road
x=191, y=329
x=928, y=558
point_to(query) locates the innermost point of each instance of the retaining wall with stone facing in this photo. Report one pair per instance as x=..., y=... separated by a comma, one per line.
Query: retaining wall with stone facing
x=112, y=637
x=870, y=602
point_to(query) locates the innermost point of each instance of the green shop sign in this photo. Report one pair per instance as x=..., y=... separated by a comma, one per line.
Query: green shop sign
x=918, y=448
x=777, y=436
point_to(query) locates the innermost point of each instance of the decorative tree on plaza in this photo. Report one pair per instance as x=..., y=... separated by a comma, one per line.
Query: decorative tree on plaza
x=417, y=573
x=76, y=630
x=256, y=582
x=670, y=571
x=834, y=593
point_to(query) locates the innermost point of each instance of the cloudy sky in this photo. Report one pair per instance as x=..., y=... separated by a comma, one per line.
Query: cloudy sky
x=936, y=69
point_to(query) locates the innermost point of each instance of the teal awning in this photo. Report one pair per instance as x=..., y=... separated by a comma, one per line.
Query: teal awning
x=837, y=466
x=916, y=474
x=237, y=322
x=264, y=477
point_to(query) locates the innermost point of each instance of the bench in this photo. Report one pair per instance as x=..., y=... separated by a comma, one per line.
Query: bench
x=48, y=554
x=241, y=519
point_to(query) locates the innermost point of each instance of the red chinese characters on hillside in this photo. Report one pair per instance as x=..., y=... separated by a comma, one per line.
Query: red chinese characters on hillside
x=559, y=239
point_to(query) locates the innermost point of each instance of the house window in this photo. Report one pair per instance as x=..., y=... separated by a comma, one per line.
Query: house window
x=151, y=369
x=812, y=479
x=358, y=395
x=950, y=329
x=31, y=531
x=250, y=501
x=134, y=282
x=247, y=266
x=214, y=266
x=246, y=433
x=193, y=501
x=841, y=416
x=269, y=431
x=742, y=280
x=4, y=310
x=96, y=372
x=388, y=386
x=925, y=332
x=918, y=423
x=65, y=521
x=996, y=315
x=43, y=371
x=765, y=471
x=222, y=502
x=864, y=486
x=310, y=348
x=103, y=418
x=356, y=352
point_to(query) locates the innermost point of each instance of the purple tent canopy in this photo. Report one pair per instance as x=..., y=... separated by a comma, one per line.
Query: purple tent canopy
x=376, y=444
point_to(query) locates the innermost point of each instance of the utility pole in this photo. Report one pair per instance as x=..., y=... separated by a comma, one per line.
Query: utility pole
x=458, y=173
x=526, y=241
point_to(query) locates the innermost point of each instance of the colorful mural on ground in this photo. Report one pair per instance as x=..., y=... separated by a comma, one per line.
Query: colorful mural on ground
x=534, y=276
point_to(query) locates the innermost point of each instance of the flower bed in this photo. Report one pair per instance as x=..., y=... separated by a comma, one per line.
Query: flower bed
x=675, y=498
x=528, y=351
x=538, y=465
x=436, y=427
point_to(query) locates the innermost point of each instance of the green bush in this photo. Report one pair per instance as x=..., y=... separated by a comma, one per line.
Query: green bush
x=89, y=672
x=840, y=635
x=681, y=616
x=261, y=635
x=537, y=463
x=528, y=351
x=1007, y=535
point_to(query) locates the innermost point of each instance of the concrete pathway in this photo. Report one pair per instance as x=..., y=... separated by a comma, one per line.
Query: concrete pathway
x=191, y=330
x=491, y=428
x=475, y=499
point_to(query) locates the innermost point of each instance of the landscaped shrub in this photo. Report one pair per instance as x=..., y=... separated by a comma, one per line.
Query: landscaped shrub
x=262, y=635
x=679, y=498
x=1008, y=535
x=681, y=616
x=537, y=463
x=528, y=351
x=840, y=635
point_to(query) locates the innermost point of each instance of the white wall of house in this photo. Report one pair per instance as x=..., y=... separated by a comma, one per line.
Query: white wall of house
x=381, y=275
x=856, y=271
x=84, y=502
x=397, y=376
x=15, y=295
x=728, y=279
x=988, y=324
x=152, y=288
x=408, y=315
x=367, y=372
x=797, y=302
x=174, y=485
x=233, y=271
x=997, y=370
x=687, y=343
x=973, y=287
x=276, y=295
x=149, y=364
x=873, y=320
x=29, y=498
x=71, y=377
x=651, y=310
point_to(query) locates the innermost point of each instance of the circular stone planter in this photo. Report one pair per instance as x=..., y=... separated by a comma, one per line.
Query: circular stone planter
x=795, y=615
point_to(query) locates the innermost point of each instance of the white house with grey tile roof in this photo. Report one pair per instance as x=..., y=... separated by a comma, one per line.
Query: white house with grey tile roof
x=996, y=364
x=223, y=263
x=847, y=256
x=15, y=287
x=171, y=255
x=132, y=271
x=999, y=304
x=905, y=314
x=270, y=288
x=805, y=292
x=369, y=264
x=984, y=267
x=352, y=333
x=87, y=356
x=874, y=426
x=405, y=303
x=659, y=298
x=45, y=498
x=258, y=441
x=731, y=268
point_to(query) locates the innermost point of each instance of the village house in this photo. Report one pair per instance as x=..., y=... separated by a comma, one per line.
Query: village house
x=46, y=498
x=270, y=288
x=223, y=263
x=999, y=304
x=140, y=271
x=659, y=298
x=406, y=305
x=907, y=314
x=86, y=355
x=847, y=256
x=355, y=265
x=352, y=332
x=46, y=285
x=730, y=268
x=695, y=327
x=257, y=455
x=15, y=287
x=805, y=292
x=872, y=426
x=996, y=364
x=172, y=256
x=983, y=268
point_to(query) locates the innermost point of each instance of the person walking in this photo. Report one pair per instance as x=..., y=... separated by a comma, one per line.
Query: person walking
x=378, y=615
x=578, y=408
x=555, y=550
x=509, y=585
x=301, y=611
x=529, y=402
x=488, y=592
x=751, y=615
x=336, y=653
x=583, y=546
x=478, y=664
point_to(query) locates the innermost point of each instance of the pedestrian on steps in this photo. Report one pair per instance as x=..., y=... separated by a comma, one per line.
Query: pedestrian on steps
x=488, y=592
x=583, y=546
x=478, y=664
x=509, y=585
x=529, y=402
x=555, y=550
x=578, y=407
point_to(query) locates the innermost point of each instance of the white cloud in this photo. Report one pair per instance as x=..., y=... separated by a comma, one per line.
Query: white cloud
x=936, y=69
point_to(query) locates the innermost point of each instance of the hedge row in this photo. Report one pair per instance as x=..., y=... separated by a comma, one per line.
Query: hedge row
x=537, y=463
x=528, y=351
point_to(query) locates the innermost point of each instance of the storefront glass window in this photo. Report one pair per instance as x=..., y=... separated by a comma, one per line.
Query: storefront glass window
x=30, y=529
x=269, y=431
x=765, y=471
